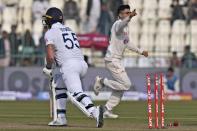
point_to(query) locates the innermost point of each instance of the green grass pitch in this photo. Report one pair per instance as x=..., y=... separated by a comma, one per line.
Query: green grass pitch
x=34, y=115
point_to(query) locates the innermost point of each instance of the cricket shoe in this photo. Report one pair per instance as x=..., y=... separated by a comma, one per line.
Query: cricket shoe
x=60, y=121
x=109, y=114
x=98, y=115
x=97, y=85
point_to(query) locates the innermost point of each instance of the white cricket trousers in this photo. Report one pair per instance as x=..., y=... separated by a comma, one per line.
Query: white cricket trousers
x=72, y=71
x=120, y=83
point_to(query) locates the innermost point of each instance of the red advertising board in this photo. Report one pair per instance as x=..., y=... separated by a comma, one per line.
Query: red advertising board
x=96, y=41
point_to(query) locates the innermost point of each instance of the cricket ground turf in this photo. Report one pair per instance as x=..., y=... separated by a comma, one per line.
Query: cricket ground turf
x=34, y=116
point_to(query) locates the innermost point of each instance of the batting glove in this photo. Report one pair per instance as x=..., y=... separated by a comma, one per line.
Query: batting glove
x=47, y=72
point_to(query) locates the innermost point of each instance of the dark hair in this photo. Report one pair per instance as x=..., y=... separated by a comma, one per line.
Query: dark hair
x=122, y=7
x=174, y=52
x=170, y=69
x=187, y=47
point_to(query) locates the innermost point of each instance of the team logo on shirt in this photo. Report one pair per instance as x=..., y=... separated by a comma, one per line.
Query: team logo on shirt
x=126, y=40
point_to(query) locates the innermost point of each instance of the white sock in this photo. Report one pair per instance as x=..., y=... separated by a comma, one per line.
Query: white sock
x=60, y=115
x=94, y=112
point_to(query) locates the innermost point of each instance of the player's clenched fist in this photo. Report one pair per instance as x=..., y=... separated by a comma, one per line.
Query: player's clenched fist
x=145, y=53
x=133, y=13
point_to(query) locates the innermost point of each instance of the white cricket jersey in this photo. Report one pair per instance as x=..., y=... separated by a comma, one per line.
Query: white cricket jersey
x=65, y=43
x=119, y=40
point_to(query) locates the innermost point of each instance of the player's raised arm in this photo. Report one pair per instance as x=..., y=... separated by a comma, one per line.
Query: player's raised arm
x=122, y=24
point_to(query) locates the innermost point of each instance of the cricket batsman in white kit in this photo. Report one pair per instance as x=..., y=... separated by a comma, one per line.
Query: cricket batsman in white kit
x=63, y=49
x=118, y=43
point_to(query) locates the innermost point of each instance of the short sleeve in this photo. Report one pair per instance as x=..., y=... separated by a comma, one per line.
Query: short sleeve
x=49, y=39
